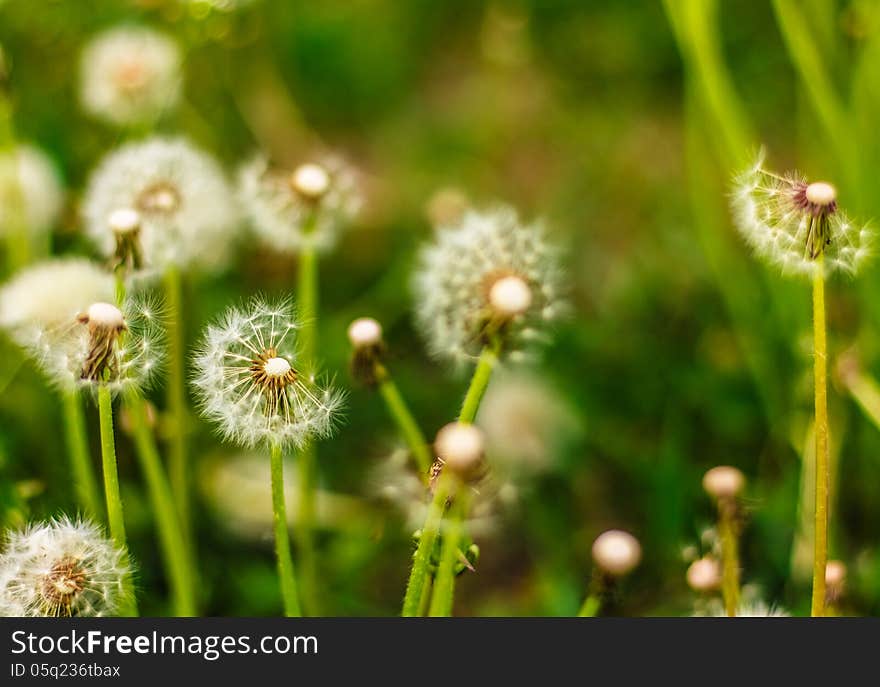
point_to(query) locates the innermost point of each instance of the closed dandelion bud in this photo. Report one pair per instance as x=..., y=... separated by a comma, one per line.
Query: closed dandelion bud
x=790, y=222
x=304, y=208
x=30, y=191
x=187, y=215
x=249, y=380
x=365, y=336
x=616, y=552
x=723, y=482
x=130, y=76
x=460, y=447
x=63, y=568
x=487, y=279
x=704, y=575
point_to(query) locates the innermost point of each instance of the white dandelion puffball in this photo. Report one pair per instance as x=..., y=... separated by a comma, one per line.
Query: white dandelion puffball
x=306, y=207
x=752, y=609
x=790, y=223
x=120, y=348
x=50, y=295
x=62, y=568
x=130, y=75
x=488, y=277
x=186, y=207
x=249, y=382
x=616, y=552
x=29, y=184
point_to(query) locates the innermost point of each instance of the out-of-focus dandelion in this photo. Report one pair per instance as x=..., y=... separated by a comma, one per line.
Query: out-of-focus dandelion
x=704, y=575
x=302, y=209
x=249, y=381
x=724, y=484
x=616, y=553
x=753, y=609
x=63, y=568
x=835, y=582
x=130, y=75
x=799, y=226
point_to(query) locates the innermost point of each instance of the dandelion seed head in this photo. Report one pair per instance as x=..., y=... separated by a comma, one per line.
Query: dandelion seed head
x=124, y=220
x=61, y=568
x=616, y=552
x=704, y=575
x=723, y=482
x=29, y=182
x=187, y=215
x=130, y=75
x=365, y=332
x=487, y=276
x=460, y=446
x=789, y=223
x=308, y=207
x=749, y=609
x=250, y=381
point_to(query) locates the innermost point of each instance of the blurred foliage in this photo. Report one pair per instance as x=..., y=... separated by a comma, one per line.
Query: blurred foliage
x=619, y=124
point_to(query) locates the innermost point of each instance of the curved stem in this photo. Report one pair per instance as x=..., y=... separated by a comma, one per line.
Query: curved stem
x=176, y=400
x=307, y=299
x=820, y=375
x=282, y=538
x=111, y=482
x=407, y=424
x=729, y=556
x=178, y=566
x=80, y=460
x=420, y=572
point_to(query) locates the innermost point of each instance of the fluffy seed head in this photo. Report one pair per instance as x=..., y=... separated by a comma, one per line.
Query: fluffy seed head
x=130, y=75
x=790, y=222
x=754, y=609
x=187, y=215
x=487, y=277
x=460, y=447
x=365, y=332
x=249, y=380
x=616, y=552
x=307, y=207
x=704, y=575
x=61, y=568
x=723, y=482
x=30, y=187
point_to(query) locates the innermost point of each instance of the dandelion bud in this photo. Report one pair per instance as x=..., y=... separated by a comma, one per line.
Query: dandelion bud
x=311, y=181
x=460, y=447
x=365, y=335
x=616, y=552
x=723, y=482
x=365, y=332
x=510, y=296
x=62, y=568
x=704, y=575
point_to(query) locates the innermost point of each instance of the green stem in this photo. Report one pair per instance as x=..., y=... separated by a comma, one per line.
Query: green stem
x=479, y=383
x=729, y=556
x=18, y=239
x=111, y=482
x=176, y=400
x=427, y=588
x=420, y=572
x=282, y=538
x=820, y=375
x=407, y=424
x=307, y=299
x=178, y=566
x=443, y=593
x=80, y=461
x=590, y=607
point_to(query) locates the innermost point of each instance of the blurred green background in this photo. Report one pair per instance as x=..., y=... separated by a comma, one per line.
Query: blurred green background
x=618, y=123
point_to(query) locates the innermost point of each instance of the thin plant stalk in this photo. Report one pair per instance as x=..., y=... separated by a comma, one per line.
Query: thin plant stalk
x=307, y=299
x=820, y=379
x=407, y=424
x=286, y=576
x=176, y=555
x=590, y=607
x=729, y=556
x=85, y=484
x=479, y=383
x=420, y=573
x=115, y=517
x=178, y=460
x=18, y=239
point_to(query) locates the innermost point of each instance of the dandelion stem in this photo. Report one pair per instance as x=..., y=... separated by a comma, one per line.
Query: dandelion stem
x=407, y=424
x=307, y=298
x=176, y=399
x=444, y=583
x=282, y=538
x=729, y=555
x=479, y=383
x=590, y=607
x=111, y=482
x=820, y=374
x=77, y=446
x=18, y=240
x=174, y=550
x=420, y=572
